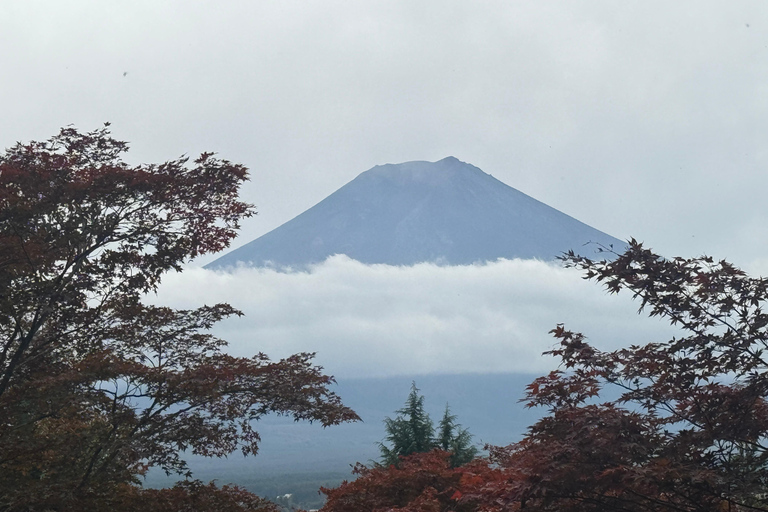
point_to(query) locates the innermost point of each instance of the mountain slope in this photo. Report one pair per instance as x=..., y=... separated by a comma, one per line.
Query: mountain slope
x=447, y=212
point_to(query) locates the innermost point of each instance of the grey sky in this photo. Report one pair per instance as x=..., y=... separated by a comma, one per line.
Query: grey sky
x=645, y=119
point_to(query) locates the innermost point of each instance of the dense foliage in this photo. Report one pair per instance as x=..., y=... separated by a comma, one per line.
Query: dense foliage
x=422, y=482
x=412, y=431
x=95, y=386
x=688, y=431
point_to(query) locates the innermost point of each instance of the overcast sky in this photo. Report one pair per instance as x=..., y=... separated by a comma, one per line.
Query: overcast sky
x=643, y=119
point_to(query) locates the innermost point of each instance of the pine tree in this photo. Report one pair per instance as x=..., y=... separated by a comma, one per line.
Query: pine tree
x=454, y=439
x=412, y=431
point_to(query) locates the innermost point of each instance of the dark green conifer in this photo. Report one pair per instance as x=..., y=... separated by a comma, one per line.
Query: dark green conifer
x=412, y=431
x=452, y=438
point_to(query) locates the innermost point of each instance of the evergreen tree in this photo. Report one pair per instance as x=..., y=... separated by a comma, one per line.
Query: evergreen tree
x=412, y=431
x=454, y=439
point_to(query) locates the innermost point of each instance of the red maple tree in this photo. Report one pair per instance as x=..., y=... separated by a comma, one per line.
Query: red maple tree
x=688, y=429
x=95, y=386
x=421, y=482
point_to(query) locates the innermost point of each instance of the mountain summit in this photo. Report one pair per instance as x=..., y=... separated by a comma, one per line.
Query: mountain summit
x=448, y=212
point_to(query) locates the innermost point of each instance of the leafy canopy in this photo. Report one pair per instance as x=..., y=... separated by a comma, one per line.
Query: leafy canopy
x=689, y=429
x=421, y=482
x=95, y=386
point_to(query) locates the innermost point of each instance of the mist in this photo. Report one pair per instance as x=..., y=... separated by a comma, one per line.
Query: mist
x=381, y=320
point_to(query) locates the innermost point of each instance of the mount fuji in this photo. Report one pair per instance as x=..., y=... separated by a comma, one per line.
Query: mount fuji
x=448, y=212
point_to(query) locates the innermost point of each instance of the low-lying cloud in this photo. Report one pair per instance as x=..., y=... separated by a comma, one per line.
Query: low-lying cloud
x=381, y=320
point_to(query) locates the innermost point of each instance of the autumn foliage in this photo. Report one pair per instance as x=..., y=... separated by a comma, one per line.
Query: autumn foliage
x=422, y=482
x=688, y=429
x=95, y=386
